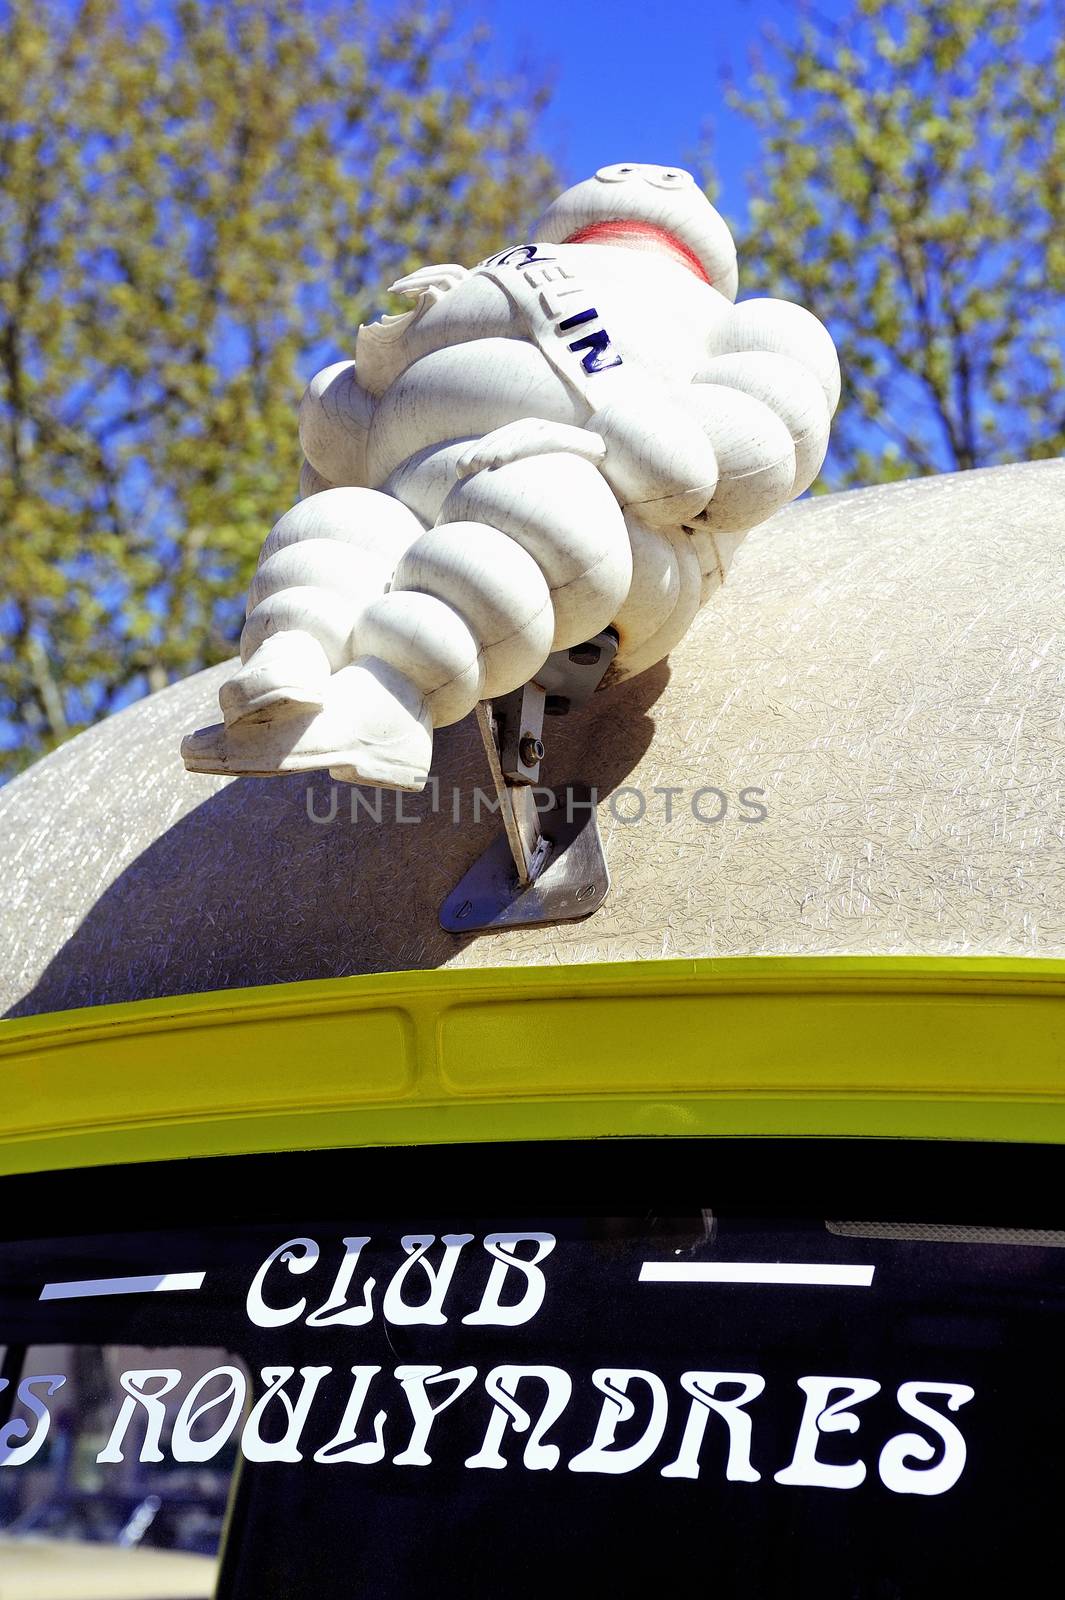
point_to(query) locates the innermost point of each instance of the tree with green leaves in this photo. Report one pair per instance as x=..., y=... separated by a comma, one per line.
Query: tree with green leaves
x=197, y=208
x=909, y=189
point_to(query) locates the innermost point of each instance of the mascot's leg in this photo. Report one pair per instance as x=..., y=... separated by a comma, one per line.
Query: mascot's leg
x=526, y=558
x=322, y=563
x=559, y=508
x=667, y=590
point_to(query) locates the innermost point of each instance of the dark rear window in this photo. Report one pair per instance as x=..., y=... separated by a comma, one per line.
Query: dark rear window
x=751, y=1369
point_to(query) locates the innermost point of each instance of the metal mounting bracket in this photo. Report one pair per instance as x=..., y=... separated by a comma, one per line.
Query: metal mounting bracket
x=548, y=864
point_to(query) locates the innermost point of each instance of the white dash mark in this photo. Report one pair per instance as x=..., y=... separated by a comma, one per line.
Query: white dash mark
x=156, y=1283
x=826, y=1274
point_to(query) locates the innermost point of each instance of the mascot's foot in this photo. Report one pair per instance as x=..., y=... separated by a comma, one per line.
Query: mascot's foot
x=288, y=673
x=373, y=728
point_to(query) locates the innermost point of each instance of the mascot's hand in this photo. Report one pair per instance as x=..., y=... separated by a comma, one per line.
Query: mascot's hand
x=530, y=437
x=433, y=282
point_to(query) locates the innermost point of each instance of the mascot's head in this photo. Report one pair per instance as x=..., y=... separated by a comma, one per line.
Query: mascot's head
x=648, y=208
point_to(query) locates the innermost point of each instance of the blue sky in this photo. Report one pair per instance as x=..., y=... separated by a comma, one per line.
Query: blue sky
x=640, y=81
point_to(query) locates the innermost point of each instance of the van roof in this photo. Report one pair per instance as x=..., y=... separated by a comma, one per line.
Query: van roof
x=883, y=674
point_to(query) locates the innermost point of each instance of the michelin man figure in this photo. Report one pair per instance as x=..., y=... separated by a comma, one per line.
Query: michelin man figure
x=573, y=435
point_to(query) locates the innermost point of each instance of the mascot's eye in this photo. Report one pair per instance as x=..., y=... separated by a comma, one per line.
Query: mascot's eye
x=670, y=178
x=616, y=174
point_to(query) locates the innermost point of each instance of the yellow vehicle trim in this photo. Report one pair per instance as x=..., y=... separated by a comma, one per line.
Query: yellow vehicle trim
x=899, y=1047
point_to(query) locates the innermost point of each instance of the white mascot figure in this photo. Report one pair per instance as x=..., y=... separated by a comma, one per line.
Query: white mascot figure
x=573, y=435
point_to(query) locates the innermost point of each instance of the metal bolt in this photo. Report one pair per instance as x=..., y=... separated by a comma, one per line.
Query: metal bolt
x=556, y=705
x=530, y=749
x=585, y=655
x=464, y=910
x=587, y=892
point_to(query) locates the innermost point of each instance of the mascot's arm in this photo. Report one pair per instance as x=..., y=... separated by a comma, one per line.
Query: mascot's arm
x=659, y=461
x=429, y=284
x=655, y=457
x=336, y=409
x=777, y=327
x=765, y=396
x=334, y=423
x=531, y=436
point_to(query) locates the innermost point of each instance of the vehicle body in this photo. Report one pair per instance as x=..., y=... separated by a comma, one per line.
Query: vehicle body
x=828, y=1040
